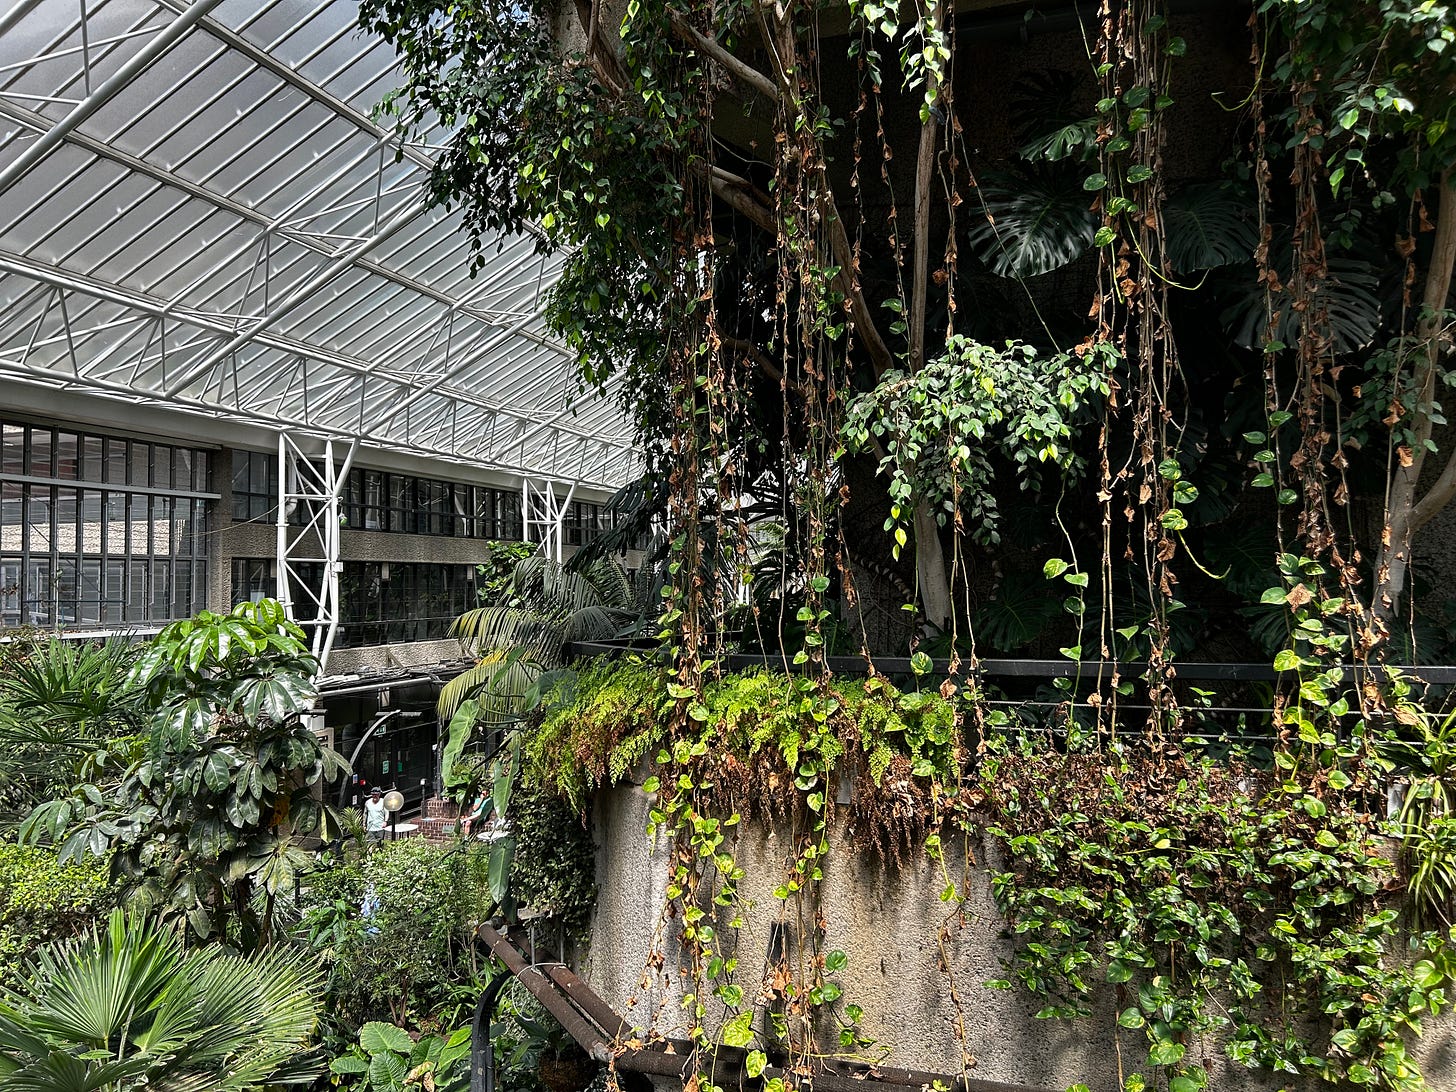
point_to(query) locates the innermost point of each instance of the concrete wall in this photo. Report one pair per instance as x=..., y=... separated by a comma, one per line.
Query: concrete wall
x=888, y=919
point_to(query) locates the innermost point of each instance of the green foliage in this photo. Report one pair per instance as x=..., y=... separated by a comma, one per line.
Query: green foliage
x=596, y=733
x=60, y=703
x=553, y=870
x=1182, y=881
x=42, y=900
x=418, y=907
x=539, y=144
x=388, y=1059
x=493, y=576
x=941, y=426
x=1035, y=220
x=548, y=605
x=1376, y=73
x=754, y=741
x=1423, y=751
x=126, y=1007
x=210, y=806
x=1208, y=225
x=1017, y=614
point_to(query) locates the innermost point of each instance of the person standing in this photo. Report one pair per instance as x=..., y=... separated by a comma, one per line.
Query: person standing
x=374, y=817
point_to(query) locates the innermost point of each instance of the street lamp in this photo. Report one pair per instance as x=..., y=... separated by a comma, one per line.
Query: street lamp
x=393, y=801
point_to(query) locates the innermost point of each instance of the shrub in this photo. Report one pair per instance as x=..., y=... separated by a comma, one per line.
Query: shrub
x=419, y=904
x=43, y=900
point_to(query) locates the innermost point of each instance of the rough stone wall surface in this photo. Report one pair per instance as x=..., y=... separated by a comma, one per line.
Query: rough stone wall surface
x=889, y=919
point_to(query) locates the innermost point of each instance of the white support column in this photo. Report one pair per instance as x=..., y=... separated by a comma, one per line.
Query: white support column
x=315, y=487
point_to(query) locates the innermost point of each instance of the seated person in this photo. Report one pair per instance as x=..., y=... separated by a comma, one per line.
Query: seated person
x=477, y=812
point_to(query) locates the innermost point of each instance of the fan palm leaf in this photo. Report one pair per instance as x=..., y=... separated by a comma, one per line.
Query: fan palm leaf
x=125, y=1008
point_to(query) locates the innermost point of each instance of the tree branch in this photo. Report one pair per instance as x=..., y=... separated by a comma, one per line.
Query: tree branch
x=1404, y=513
x=709, y=47
x=738, y=193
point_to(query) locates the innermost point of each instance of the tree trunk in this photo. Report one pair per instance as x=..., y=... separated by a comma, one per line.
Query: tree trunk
x=930, y=569
x=1405, y=513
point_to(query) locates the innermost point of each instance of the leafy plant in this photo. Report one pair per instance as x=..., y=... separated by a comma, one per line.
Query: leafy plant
x=548, y=606
x=940, y=427
x=42, y=900
x=1350, y=294
x=60, y=703
x=389, y=1059
x=1179, y=880
x=126, y=1007
x=418, y=907
x=206, y=818
x=1017, y=613
x=1051, y=117
x=553, y=870
x=1035, y=220
x=1424, y=752
x=1208, y=225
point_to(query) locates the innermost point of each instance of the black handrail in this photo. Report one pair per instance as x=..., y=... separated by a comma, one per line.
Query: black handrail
x=1186, y=670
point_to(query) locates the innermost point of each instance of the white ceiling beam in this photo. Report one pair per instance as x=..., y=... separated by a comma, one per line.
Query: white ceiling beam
x=105, y=91
x=15, y=264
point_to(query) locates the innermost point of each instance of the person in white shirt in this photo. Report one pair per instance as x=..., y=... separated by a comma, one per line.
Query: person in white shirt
x=374, y=817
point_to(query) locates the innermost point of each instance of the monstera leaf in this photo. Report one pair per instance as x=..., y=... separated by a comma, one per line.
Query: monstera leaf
x=1052, y=117
x=1350, y=293
x=1208, y=225
x=1033, y=221
x=1024, y=605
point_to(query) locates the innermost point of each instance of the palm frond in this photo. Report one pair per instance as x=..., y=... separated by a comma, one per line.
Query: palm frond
x=125, y=1006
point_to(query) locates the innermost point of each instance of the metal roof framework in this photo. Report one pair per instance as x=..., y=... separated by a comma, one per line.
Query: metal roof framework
x=197, y=210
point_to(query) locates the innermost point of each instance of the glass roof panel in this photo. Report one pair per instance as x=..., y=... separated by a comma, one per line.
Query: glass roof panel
x=200, y=211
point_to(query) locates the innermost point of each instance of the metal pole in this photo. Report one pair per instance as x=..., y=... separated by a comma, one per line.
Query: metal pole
x=482, y=1047
x=380, y=719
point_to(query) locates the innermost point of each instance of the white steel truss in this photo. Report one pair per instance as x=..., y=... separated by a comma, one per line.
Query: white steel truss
x=308, y=541
x=543, y=511
x=198, y=209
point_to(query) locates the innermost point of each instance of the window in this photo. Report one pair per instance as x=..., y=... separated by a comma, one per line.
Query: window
x=255, y=485
x=582, y=523
x=403, y=506
x=383, y=602
x=99, y=530
x=254, y=579
x=374, y=500
x=509, y=525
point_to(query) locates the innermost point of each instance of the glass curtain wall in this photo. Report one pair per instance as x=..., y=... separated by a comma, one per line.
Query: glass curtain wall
x=100, y=530
x=383, y=602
